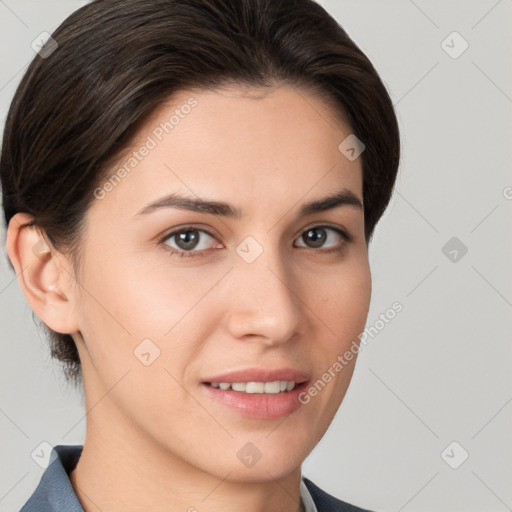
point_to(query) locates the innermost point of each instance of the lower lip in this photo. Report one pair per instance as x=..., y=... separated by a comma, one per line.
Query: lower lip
x=257, y=405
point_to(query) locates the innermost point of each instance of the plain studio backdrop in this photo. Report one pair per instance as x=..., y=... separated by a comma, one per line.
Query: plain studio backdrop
x=426, y=422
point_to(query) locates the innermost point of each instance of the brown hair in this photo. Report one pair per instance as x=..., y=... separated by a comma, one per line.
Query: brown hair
x=114, y=61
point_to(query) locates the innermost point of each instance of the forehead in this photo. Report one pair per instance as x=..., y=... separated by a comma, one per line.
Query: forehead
x=279, y=144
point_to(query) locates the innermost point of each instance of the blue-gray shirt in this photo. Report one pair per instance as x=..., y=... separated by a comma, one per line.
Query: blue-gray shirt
x=55, y=493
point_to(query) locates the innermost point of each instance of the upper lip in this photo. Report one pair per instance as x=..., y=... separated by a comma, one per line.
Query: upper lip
x=261, y=375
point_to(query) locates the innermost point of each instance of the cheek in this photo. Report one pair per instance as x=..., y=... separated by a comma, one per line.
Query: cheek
x=341, y=304
x=127, y=304
x=140, y=339
x=137, y=299
x=344, y=301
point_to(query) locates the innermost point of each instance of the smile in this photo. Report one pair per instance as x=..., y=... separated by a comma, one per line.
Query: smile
x=275, y=387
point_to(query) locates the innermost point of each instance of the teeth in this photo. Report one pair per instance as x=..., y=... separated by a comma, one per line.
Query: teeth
x=251, y=387
x=273, y=388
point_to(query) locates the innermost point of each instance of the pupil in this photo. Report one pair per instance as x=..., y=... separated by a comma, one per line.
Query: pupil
x=187, y=239
x=316, y=236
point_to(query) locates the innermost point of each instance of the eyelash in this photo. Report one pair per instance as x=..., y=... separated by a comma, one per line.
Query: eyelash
x=194, y=254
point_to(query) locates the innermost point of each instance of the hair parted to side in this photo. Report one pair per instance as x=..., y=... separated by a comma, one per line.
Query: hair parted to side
x=76, y=110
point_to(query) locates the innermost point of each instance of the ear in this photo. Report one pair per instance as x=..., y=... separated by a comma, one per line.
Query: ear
x=45, y=275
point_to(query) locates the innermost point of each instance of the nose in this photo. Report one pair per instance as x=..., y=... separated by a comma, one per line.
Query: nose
x=264, y=305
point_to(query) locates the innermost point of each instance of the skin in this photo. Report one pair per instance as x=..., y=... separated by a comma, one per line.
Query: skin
x=155, y=441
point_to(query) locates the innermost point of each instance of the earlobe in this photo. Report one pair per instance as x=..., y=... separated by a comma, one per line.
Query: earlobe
x=39, y=267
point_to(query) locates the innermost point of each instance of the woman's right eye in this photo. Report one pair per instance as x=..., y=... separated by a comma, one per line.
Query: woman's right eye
x=186, y=241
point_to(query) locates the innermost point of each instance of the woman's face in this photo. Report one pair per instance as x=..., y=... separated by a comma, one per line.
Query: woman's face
x=274, y=289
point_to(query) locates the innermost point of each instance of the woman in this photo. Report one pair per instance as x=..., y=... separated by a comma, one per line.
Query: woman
x=190, y=188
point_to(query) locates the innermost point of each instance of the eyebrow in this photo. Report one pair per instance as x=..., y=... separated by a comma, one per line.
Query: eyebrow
x=343, y=198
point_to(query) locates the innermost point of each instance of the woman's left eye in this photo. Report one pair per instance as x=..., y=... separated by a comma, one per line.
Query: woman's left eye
x=318, y=235
x=188, y=241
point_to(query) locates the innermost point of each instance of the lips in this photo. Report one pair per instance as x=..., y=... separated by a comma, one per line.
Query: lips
x=257, y=405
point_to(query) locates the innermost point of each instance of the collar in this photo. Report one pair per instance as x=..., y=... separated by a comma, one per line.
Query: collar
x=55, y=492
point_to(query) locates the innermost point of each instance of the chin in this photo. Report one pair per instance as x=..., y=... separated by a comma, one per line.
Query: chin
x=262, y=471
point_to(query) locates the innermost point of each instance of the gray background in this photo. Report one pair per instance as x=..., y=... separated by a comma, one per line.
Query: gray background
x=439, y=372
